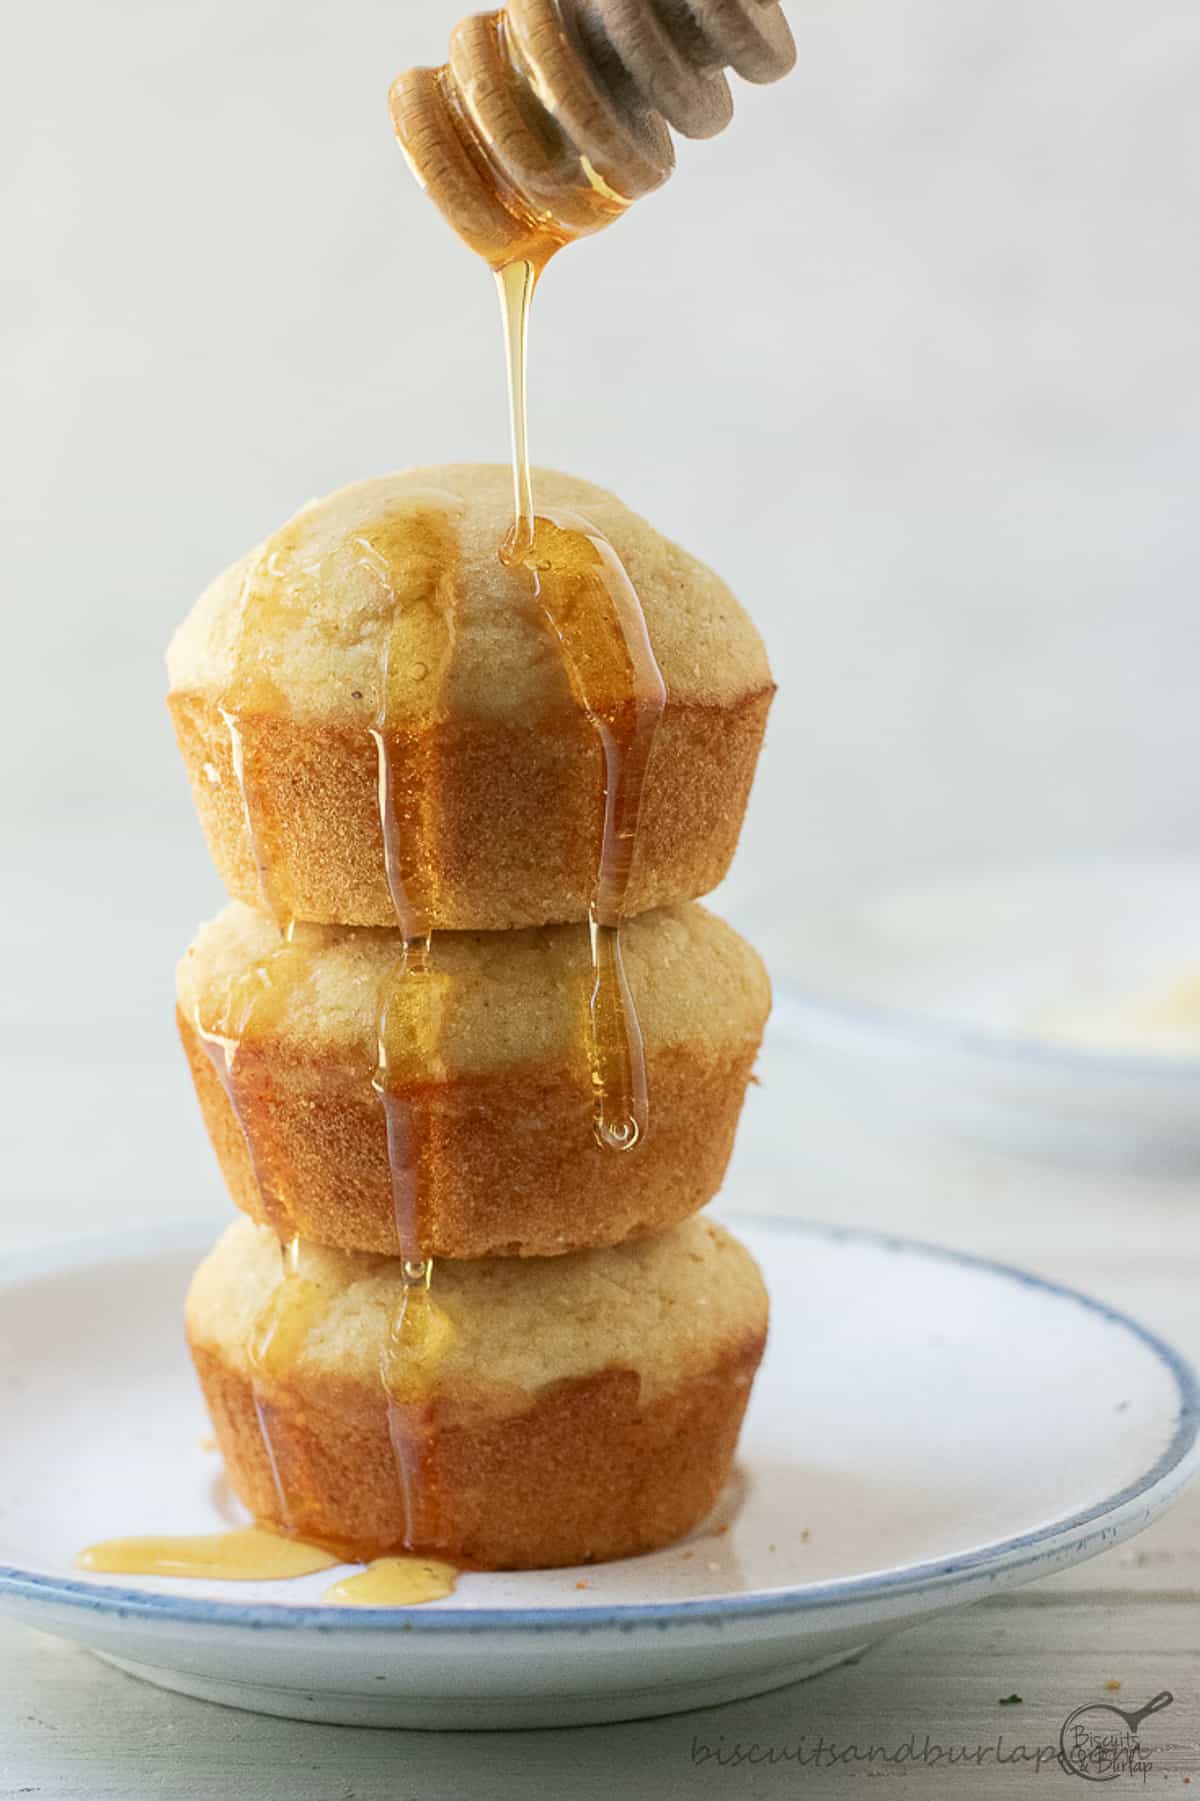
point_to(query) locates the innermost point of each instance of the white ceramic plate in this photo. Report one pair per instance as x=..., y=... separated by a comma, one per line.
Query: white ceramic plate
x=927, y=1428
x=1053, y=1009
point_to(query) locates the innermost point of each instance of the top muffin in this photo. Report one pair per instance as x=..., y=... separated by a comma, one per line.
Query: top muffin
x=374, y=684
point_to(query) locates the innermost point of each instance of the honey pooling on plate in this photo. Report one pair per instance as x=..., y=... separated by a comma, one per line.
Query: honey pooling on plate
x=255, y=1554
x=244, y=1554
x=394, y=1582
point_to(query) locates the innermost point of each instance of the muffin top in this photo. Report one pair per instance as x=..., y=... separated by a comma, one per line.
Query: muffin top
x=503, y=998
x=665, y=1307
x=391, y=592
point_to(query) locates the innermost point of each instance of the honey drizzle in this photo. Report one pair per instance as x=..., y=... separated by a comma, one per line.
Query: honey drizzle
x=251, y=695
x=585, y=595
x=254, y=811
x=485, y=135
x=418, y=1334
x=254, y=1004
x=404, y=1024
x=406, y=1018
x=410, y=553
x=284, y=1322
x=409, y=1000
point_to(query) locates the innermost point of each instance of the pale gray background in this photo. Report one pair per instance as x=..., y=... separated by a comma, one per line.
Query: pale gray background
x=911, y=354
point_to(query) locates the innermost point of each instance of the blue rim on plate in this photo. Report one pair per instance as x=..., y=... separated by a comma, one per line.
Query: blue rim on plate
x=1179, y=1458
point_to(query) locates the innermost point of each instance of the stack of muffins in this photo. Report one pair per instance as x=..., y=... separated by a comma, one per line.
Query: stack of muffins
x=369, y=707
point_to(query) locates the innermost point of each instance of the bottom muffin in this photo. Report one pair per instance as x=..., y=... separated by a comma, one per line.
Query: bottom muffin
x=522, y=1413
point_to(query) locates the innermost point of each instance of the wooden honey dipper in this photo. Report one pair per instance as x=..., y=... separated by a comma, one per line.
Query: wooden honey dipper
x=549, y=118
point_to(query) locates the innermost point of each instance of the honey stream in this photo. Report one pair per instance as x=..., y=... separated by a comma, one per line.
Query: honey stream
x=577, y=581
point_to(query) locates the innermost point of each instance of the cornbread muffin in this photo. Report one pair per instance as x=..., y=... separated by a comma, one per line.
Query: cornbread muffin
x=385, y=609
x=552, y=1411
x=490, y=1077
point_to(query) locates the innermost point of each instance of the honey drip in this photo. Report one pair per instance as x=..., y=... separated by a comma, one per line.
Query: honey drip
x=394, y=1582
x=398, y=565
x=247, y=1554
x=402, y=565
x=291, y=1311
x=406, y=1039
x=253, y=697
x=546, y=122
x=415, y=564
x=255, y=1002
x=580, y=586
x=419, y=1333
x=408, y=1010
x=252, y=1008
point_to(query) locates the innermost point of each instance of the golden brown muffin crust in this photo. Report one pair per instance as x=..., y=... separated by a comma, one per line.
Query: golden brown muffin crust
x=516, y=813
x=584, y=1475
x=501, y=1107
x=304, y=650
x=586, y=1409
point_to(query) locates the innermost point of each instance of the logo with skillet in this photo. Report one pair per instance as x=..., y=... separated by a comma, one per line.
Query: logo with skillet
x=1100, y=1742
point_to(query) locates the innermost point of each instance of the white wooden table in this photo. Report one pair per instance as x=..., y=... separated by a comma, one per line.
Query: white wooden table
x=70, y=1726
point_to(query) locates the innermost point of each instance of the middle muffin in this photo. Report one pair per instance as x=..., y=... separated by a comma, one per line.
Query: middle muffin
x=471, y=1134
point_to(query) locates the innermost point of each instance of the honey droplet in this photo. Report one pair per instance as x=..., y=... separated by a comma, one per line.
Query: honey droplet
x=290, y=1313
x=419, y=1333
x=618, y=1058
